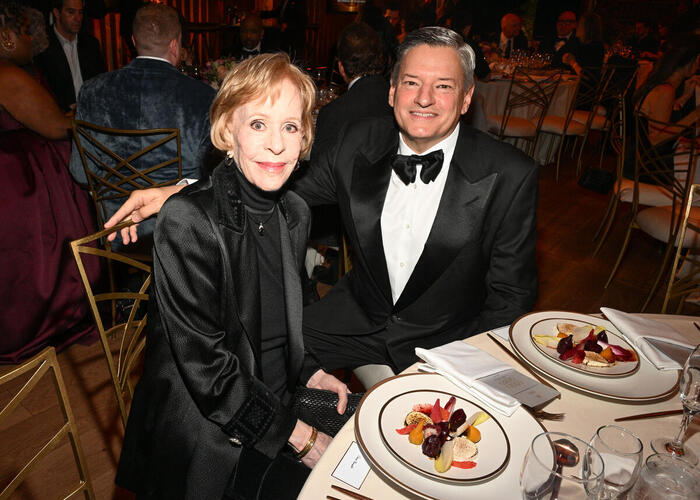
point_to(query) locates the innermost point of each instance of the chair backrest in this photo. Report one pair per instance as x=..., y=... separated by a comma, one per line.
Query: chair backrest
x=41, y=364
x=134, y=159
x=129, y=329
x=680, y=285
x=532, y=91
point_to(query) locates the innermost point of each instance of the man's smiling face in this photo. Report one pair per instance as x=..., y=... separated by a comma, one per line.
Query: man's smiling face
x=428, y=95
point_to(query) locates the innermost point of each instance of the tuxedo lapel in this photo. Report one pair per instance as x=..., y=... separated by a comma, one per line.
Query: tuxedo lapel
x=370, y=181
x=459, y=218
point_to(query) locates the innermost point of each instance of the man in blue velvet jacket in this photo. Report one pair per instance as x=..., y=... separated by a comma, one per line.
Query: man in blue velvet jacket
x=149, y=93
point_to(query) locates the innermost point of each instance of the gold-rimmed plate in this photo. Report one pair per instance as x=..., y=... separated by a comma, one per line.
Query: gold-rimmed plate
x=643, y=385
x=494, y=448
x=548, y=326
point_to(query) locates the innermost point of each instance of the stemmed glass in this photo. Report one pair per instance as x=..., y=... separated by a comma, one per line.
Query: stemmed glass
x=622, y=457
x=690, y=397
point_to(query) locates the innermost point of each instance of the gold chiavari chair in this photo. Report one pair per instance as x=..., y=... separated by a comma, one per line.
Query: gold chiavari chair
x=130, y=330
x=41, y=364
x=664, y=166
x=685, y=272
x=529, y=94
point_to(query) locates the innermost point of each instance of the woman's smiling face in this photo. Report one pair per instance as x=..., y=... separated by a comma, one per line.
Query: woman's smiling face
x=266, y=136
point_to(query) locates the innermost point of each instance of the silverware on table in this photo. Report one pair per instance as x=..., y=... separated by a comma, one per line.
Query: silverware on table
x=349, y=493
x=650, y=415
x=538, y=414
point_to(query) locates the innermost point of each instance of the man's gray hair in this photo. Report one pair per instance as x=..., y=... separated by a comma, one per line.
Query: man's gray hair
x=436, y=36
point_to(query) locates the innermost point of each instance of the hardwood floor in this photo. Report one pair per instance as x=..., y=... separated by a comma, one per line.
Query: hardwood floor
x=570, y=279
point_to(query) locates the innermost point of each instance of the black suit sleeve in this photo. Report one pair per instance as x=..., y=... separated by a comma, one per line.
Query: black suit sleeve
x=511, y=281
x=189, y=280
x=316, y=185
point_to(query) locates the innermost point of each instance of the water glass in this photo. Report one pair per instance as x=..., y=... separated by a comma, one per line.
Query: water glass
x=667, y=477
x=621, y=451
x=550, y=473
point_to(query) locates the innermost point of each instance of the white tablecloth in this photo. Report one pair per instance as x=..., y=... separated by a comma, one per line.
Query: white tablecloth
x=584, y=414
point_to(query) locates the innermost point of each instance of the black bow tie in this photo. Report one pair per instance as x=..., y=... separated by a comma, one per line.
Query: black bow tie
x=405, y=166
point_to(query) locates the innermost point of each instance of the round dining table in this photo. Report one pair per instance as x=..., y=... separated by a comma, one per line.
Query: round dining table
x=584, y=414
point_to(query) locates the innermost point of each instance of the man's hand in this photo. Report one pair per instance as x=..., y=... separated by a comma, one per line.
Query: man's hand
x=326, y=381
x=140, y=205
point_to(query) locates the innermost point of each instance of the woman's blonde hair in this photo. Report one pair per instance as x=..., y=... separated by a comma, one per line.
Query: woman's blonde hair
x=254, y=78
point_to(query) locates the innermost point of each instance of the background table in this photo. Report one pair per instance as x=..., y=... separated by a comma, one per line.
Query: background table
x=584, y=414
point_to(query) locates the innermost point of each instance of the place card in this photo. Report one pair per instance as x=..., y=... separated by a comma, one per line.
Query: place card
x=353, y=468
x=527, y=390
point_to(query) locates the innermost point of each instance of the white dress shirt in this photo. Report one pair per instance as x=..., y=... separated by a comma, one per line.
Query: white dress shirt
x=70, y=47
x=561, y=41
x=503, y=44
x=408, y=215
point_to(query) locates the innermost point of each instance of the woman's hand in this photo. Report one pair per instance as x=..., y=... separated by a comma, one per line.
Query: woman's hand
x=140, y=205
x=326, y=381
x=299, y=438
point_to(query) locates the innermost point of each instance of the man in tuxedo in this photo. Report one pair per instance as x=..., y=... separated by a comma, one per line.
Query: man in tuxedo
x=72, y=56
x=511, y=38
x=565, y=40
x=250, y=41
x=440, y=218
x=149, y=93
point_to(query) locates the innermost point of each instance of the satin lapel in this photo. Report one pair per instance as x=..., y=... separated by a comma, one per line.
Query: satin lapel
x=458, y=220
x=292, y=296
x=370, y=181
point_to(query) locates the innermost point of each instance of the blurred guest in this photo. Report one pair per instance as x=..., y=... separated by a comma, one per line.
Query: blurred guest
x=590, y=52
x=212, y=416
x=462, y=24
x=251, y=41
x=149, y=93
x=511, y=38
x=43, y=301
x=565, y=40
x=393, y=16
x=644, y=43
x=371, y=14
x=72, y=57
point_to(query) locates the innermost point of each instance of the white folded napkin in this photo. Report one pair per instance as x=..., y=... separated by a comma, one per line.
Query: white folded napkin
x=463, y=365
x=637, y=329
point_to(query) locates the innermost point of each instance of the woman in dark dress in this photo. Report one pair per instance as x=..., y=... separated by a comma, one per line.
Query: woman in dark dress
x=590, y=53
x=211, y=415
x=42, y=296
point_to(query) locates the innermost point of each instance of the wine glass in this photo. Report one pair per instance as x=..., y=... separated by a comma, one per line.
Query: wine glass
x=690, y=397
x=561, y=466
x=666, y=477
x=622, y=456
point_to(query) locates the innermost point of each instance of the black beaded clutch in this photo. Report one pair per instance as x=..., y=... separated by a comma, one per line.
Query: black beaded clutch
x=318, y=408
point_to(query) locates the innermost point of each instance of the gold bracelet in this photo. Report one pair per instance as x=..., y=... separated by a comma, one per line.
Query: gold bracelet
x=309, y=444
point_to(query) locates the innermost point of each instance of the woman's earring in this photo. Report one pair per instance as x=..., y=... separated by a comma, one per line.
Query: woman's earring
x=229, y=158
x=8, y=44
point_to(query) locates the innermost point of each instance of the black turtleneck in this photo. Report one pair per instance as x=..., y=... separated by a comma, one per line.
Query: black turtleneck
x=261, y=208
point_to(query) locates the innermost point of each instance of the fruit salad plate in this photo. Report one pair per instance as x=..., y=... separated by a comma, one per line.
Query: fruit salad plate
x=584, y=346
x=390, y=401
x=638, y=381
x=492, y=448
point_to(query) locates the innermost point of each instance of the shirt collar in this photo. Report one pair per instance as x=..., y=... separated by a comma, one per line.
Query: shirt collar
x=257, y=47
x=154, y=58
x=352, y=82
x=447, y=145
x=62, y=39
x=504, y=38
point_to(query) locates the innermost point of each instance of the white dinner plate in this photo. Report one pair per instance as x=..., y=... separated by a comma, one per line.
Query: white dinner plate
x=519, y=429
x=644, y=384
x=548, y=326
x=493, y=447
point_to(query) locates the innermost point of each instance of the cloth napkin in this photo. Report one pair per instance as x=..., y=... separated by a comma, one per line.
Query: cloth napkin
x=637, y=329
x=463, y=365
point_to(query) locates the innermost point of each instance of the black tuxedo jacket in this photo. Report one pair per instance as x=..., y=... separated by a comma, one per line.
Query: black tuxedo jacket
x=571, y=45
x=368, y=96
x=54, y=66
x=477, y=270
x=201, y=397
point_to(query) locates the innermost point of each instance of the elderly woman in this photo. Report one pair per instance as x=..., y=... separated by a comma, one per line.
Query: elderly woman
x=211, y=416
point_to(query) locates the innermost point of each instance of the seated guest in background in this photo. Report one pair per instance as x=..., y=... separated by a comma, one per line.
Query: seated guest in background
x=73, y=57
x=444, y=244
x=511, y=38
x=211, y=416
x=42, y=297
x=644, y=43
x=462, y=24
x=361, y=64
x=250, y=42
x=393, y=15
x=590, y=51
x=371, y=14
x=150, y=93
x=565, y=40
